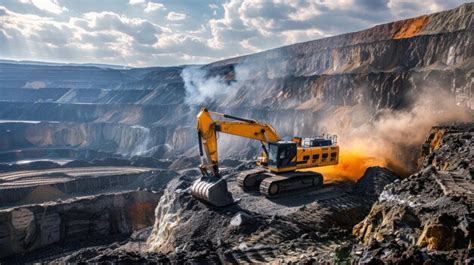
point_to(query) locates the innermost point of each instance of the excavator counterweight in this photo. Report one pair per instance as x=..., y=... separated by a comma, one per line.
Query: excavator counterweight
x=278, y=168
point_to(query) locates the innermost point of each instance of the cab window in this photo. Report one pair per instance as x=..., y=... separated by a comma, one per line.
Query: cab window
x=272, y=154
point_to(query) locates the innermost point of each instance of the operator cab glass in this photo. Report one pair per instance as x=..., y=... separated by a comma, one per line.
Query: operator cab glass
x=316, y=142
x=282, y=154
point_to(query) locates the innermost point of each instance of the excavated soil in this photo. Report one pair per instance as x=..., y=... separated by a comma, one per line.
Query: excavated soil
x=50, y=208
x=429, y=215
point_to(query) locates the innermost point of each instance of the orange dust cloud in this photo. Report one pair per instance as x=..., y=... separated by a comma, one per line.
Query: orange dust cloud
x=351, y=167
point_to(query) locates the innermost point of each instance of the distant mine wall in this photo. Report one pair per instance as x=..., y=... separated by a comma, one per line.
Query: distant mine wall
x=379, y=75
x=31, y=227
x=97, y=112
x=80, y=77
x=106, y=137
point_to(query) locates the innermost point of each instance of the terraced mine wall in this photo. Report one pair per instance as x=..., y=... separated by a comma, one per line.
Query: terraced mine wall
x=329, y=84
x=27, y=228
x=66, y=186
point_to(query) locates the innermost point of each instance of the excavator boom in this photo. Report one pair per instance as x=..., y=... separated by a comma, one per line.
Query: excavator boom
x=208, y=128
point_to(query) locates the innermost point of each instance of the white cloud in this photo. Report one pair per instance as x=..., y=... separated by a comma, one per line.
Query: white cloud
x=198, y=34
x=104, y=37
x=151, y=7
x=293, y=36
x=174, y=16
x=136, y=2
x=49, y=5
x=141, y=30
x=405, y=8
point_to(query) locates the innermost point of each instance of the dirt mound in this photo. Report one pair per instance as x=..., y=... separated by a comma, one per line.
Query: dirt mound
x=374, y=180
x=427, y=216
x=183, y=222
x=28, y=166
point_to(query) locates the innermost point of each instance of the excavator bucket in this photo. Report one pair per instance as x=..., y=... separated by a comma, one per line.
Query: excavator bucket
x=212, y=190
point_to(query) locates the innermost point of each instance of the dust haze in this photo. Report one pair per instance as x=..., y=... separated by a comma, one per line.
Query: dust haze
x=390, y=138
x=367, y=137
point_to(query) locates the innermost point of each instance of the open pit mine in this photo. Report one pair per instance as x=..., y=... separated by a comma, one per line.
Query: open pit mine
x=100, y=164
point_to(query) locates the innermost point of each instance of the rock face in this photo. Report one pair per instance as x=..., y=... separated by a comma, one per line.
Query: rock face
x=151, y=111
x=430, y=212
x=27, y=228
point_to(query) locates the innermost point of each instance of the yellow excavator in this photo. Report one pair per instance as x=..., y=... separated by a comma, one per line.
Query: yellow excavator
x=278, y=168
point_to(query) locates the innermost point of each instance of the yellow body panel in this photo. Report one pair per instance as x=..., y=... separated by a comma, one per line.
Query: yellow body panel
x=309, y=157
x=317, y=156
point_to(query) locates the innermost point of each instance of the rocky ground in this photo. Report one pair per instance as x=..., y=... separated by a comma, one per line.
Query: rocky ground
x=429, y=215
x=63, y=206
x=378, y=219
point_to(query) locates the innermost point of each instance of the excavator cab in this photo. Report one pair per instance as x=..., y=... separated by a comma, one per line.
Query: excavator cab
x=282, y=156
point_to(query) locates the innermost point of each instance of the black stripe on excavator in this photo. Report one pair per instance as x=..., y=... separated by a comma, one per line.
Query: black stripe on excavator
x=237, y=118
x=302, y=162
x=201, y=153
x=264, y=148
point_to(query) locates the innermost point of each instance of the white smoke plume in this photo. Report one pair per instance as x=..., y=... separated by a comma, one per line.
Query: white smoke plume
x=200, y=88
x=246, y=82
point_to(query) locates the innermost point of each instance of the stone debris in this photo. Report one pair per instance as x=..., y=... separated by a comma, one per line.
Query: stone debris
x=241, y=219
x=429, y=215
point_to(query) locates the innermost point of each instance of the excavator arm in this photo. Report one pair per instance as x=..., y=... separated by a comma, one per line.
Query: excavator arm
x=208, y=128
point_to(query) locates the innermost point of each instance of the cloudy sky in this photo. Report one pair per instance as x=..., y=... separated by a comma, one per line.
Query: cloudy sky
x=173, y=32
